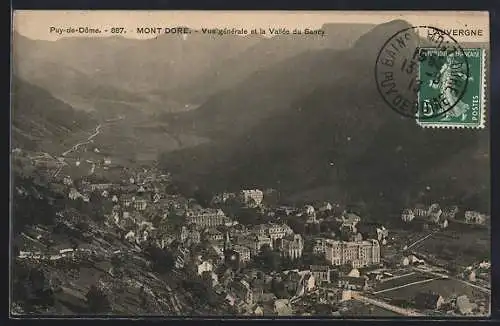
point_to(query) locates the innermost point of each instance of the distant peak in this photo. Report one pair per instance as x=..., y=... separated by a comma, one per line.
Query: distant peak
x=381, y=33
x=392, y=26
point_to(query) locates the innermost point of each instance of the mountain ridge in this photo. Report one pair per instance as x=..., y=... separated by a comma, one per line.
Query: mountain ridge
x=339, y=133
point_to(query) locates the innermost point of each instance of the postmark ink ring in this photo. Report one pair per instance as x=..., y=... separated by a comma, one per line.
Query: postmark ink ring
x=422, y=72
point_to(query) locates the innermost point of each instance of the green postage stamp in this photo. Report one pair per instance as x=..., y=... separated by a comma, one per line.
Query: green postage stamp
x=466, y=107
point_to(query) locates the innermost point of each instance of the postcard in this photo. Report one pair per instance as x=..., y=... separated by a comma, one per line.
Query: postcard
x=250, y=163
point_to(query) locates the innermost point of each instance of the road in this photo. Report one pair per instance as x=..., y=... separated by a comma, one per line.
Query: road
x=401, y=311
x=87, y=141
x=96, y=132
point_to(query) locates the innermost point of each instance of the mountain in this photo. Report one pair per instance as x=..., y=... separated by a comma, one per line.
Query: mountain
x=39, y=118
x=274, y=90
x=226, y=73
x=39, y=63
x=82, y=70
x=167, y=73
x=300, y=126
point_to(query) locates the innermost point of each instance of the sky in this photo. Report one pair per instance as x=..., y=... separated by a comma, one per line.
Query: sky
x=35, y=24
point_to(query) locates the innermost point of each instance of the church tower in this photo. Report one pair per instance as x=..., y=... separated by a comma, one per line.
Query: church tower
x=227, y=242
x=231, y=257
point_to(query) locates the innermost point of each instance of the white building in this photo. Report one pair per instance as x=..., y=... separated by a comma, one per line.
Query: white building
x=206, y=218
x=473, y=217
x=320, y=245
x=293, y=246
x=252, y=197
x=243, y=252
x=357, y=253
x=278, y=231
x=407, y=215
x=74, y=194
x=310, y=214
x=67, y=181
x=434, y=213
x=205, y=266
x=130, y=236
x=325, y=207
x=307, y=283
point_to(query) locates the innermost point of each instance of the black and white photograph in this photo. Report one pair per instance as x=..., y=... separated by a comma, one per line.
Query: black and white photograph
x=255, y=164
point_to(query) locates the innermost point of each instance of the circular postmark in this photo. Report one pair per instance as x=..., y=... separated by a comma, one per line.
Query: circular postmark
x=422, y=72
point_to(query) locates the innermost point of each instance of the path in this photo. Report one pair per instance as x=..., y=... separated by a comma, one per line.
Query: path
x=420, y=240
x=395, y=277
x=406, y=285
x=96, y=132
x=385, y=305
x=483, y=289
x=89, y=140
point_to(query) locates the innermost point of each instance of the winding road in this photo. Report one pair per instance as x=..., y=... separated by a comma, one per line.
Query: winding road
x=96, y=132
x=89, y=140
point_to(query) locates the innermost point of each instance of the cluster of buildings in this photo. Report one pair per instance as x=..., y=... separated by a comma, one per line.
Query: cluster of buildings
x=472, y=217
x=247, y=197
x=244, y=245
x=435, y=215
x=231, y=248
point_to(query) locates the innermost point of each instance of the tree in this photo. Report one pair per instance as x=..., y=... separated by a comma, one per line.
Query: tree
x=95, y=206
x=162, y=259
x=271, y=197
x=268, y=259
x=313, y=228
x=279, y=290
x=20, y=282
x=143, y=298
x=297, y=224
x=156, y=220
x=248, y=216
x=97, y=300
x=202, y=197
x=174, y=220
x=73, y=243
x=39, y=290
x=201, y=292
x=56, y=284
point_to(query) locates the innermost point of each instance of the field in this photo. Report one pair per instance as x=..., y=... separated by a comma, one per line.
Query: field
x=462, y=247
x=415, y=277
x=447, y=288
x=141, y=141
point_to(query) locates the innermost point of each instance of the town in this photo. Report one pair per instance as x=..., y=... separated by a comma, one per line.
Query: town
x=245, y=252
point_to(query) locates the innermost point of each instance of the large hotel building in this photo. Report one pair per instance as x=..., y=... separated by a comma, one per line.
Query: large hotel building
x=357, y=253
x=205, y=218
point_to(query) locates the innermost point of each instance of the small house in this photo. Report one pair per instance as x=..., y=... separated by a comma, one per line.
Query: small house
x=259, y=311
x=353, y=283
x=464, y=306
x=428, y=300
x=282, y=307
